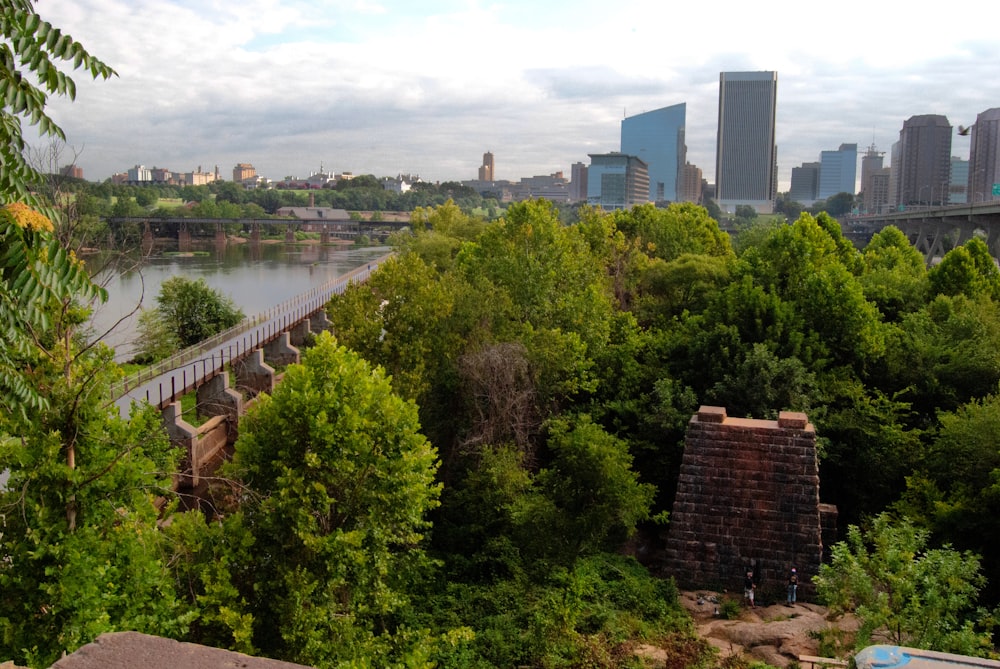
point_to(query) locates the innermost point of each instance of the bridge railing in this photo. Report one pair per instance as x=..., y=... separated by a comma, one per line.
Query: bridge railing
x=295, y=308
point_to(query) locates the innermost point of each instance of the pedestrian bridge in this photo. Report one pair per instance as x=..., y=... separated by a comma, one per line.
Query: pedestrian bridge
x=243, y=352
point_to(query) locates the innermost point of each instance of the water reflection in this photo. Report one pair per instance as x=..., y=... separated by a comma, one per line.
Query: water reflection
x=255, y=276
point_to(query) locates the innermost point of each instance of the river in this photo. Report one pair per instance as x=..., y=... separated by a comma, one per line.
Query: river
x=255, y=276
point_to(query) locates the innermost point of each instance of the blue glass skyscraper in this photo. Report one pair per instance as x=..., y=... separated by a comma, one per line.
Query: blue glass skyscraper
x=657, y=138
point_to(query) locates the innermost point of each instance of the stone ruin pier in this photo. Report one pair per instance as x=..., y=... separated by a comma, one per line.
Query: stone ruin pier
x=748, y=498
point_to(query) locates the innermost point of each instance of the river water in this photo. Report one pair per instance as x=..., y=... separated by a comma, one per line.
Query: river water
x=255, y=276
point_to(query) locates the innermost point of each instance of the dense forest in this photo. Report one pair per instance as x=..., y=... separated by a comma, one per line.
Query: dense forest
x=476, y=469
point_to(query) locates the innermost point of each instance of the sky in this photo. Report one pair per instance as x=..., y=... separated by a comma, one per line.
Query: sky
x=389, y=87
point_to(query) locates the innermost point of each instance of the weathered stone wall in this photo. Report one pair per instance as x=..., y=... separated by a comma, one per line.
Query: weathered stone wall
x=748, y=496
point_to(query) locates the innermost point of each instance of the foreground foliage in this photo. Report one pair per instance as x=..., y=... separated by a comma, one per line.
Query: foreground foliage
x=904, y=592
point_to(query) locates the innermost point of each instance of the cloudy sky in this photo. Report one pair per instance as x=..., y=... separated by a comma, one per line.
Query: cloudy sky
x=397, y=86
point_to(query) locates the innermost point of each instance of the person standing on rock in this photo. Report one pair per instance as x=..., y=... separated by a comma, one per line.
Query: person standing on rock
x=793, y=585
x=748, y=589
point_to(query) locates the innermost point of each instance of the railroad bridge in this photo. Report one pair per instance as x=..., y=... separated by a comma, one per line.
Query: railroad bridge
x=185, y=229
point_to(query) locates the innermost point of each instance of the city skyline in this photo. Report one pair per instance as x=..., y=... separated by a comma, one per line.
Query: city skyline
x=390, y=87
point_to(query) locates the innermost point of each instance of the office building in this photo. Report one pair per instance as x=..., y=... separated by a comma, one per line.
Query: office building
x=984, y=157
x=958, y=187
x=617, y=181
x=923, y=166
x=871, y=164
x=657, y=139
x=578, y=183
x=746, y=154
x=486, y=172
x=690, y=189
x=244, y=172
x=878, y=198
x=805, y=183
x=838, y=171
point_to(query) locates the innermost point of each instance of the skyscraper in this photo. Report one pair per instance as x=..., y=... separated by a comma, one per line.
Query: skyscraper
x=838, y=171
x=984, y=157
x=805, y=183
x=871, y=164
x=657, y=138
x=578, y=183
x=486, y=172
x=746, y=155
x=923, y=171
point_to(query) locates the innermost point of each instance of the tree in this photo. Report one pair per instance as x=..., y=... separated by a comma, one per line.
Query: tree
x=195, y=311
x=588, y=498
x=903, y=591
x=338, y=484
x=35, y=48
x=82, y=554
x=147, y=197
x=745, y=212
x=38, y=278
x=967, y=270
x=156, y=338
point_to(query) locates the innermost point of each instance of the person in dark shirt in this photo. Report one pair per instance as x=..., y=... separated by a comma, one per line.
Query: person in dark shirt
x=748, y=589
x=793, y=585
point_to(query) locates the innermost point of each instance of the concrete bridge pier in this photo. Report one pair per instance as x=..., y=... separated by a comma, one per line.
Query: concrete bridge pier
x=319, y=322
x=254, y=374
x=183, y=237
x=290, y=234
x=255, y=233
x=147, y=237
x=220, y=234
x=324, y=235
x=281, y=351
x=182, y=435
x=299, y=332
x=216, y=398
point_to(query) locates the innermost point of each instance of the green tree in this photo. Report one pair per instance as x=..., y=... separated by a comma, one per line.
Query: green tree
x=588, y=498
x=966, y=270
x=38, y=278
x=147, y=197
x=894, y=275
x=31, y=51
x=745, y=213
x=338, y=483
x=903, y=591
x=82, y=553
x=156, y=338
x=195, y=311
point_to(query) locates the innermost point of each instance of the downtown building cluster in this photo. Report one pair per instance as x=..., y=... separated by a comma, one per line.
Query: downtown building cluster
x=922, y=170
x=651, y=164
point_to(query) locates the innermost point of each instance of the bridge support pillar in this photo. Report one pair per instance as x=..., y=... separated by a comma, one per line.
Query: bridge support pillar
x=319, y=322
x=220, y=234
x=216, y=398
x=147, y=237
x=299, y=333
x=281, y=351
x=324, y=235
x=254, y=374
x=290, y=235
x=255, y=233
x=183, y=237
x=182, y=435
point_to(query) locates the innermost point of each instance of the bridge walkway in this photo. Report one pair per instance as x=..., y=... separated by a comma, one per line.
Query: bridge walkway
x=163, y=383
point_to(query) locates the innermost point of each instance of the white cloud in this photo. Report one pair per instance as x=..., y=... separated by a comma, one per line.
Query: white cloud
x=396, y=86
